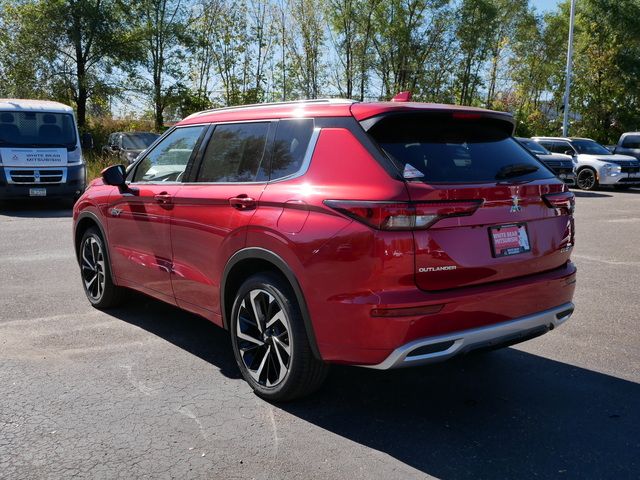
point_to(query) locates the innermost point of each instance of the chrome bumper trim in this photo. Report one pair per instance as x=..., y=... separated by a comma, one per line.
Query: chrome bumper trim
x=466, y=340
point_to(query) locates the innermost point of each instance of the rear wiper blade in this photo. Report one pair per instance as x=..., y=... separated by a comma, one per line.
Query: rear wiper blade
x=515, y=170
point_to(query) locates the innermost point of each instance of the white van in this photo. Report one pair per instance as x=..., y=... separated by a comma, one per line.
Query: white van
x=40, y=151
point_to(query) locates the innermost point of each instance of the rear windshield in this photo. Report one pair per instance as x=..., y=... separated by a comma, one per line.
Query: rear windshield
x=37, y=129
x=447, y=150
x=138, y=140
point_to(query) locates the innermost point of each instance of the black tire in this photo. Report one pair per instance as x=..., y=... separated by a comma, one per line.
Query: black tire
x=587, y=180
x=95, y=272
x=263, y=360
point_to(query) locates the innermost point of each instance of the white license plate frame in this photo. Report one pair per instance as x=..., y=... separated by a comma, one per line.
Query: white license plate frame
x=37, y=192
x=514, y=239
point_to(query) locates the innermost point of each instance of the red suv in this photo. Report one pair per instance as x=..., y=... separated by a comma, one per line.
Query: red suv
x=376, y=234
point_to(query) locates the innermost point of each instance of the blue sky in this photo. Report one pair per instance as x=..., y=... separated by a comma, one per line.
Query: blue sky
x=544, y=5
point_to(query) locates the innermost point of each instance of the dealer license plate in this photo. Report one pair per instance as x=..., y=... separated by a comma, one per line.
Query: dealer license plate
x=37, y=192
x=509, y=239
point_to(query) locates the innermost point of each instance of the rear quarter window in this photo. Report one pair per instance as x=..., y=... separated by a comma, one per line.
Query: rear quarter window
x=290, y=146
x=448, y=150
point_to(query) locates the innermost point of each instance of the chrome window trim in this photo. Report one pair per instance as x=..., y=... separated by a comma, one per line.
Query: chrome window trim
x=304, y=167
x=306, y=161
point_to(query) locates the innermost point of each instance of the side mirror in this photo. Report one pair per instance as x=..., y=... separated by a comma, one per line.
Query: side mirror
x=114, y=175
x=571, y=153
x=86, y=141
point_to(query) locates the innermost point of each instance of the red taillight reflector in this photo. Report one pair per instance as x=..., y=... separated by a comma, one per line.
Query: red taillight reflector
x=562, y=200
x=466, y=115
x=407, y=312
x=403, y=215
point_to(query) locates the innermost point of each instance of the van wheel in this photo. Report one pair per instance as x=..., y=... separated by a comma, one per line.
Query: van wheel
x=587, y=179
x=270, y=342
x=95, y=272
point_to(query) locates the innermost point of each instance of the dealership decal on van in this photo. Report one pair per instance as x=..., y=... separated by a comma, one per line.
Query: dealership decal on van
x=27, y=157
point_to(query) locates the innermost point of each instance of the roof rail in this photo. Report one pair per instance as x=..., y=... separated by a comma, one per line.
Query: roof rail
x=270, y=104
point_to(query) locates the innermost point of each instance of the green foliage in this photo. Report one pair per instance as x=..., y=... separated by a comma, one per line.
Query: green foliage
x=168, y=58
x=65, y=50
x=607, y=67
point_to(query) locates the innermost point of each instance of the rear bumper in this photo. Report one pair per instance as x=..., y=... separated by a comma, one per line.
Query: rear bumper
x=349, y=332
x=72, y=185
x=443, y=347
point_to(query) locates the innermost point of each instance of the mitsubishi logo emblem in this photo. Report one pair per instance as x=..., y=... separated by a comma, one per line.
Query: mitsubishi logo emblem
x=515, y=205
x=36, y=176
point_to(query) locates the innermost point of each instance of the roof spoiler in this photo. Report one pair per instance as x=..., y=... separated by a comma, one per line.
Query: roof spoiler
x=504, y=119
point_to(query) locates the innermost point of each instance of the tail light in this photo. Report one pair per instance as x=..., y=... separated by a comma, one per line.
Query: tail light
x=403, y=215
x=563, y=201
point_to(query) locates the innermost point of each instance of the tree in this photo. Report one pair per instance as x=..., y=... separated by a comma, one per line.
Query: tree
x=351, y=23
x=67, y=48
x=305, y=45
x=161, y=33
x=509, y=14
x=407, y=41
x=536, y=69
x=476, y=22
x=606, y=87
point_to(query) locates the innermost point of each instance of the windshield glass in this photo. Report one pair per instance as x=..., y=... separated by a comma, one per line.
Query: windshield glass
x=533, y=146
x=448, y=150
x=138, y=141
x=37, y=129
x=589, y=147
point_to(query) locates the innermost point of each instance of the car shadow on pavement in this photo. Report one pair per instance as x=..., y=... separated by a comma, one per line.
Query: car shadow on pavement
x=32, y=208
x=191, y=333
x=579, y=193
x=630, y=190
x=502, y=414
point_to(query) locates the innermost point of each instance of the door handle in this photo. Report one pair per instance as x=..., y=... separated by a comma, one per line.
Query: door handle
x=163, y=198
x=242, y=202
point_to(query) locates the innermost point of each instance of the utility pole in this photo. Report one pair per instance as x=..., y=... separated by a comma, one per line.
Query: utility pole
x=284, y=66
x=567, y=88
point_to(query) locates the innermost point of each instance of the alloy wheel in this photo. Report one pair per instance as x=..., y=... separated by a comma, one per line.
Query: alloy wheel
x=93, y=272
x=263, y=337
x=586, y=180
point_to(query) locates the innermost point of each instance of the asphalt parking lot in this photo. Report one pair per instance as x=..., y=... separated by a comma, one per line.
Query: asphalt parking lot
x=148, y=391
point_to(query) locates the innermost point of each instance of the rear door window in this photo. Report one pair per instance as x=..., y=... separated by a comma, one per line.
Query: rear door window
x=235, y=153
x=290, y=146
x=448, y=150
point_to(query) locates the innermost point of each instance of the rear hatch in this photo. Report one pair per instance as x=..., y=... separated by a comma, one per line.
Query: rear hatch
x=488, y=209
